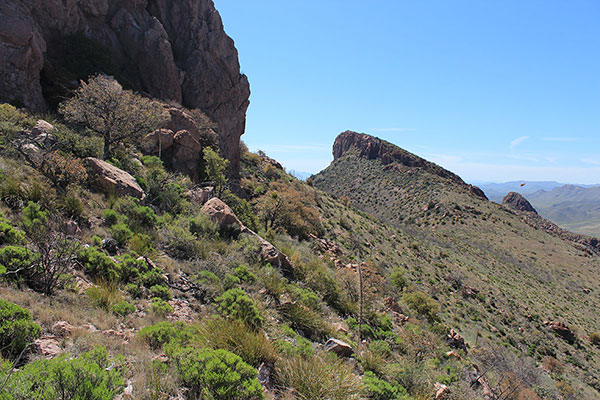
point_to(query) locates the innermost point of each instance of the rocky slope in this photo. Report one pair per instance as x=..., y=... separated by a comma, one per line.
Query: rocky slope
x=173, y=50
x=530, y=216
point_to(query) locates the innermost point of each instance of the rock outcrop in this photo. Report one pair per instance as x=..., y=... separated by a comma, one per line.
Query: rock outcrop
x=339, y=347
x=112, y=179
x=517, y=202
x=562, y=330
x=174, y=50
x=372, y=148
x=224, y=216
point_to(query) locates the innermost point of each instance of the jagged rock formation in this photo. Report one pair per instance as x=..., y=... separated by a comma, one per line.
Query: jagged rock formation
x=174, y=50
x=371, y=148
x=517, y=202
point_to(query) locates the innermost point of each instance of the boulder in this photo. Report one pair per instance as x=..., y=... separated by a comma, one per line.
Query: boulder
x=42, y=128
x=201, y=195
x=456, y=341
x=72, y=228
x=62, y=328
x=47, y=346
x=562, y=330
x=158, y=141
x=442, y=392
x=339, y=347
x=221, y=213
x=112, y=179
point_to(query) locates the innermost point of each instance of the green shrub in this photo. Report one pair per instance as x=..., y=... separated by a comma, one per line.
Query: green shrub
x=18, y=261
x=397, y=278
x=595, y=338
x=110, y=217
x=153, y=277
x=130, y=268
x=175, y=334
x=422, y=304
x=203, y=226
x=99, y=265
x=159, y=334
x=180, y=242
x=307, y=297
x=381, y=348
x=121, y=233
x=160, y=307
x=96, y=241
x=134, y=290
x=161, y=292
x=141, y=244
x=378, y=389
x=91, y=376
x=33, y=218
x=235, y=303
x=122, y=308
x=207, y=277
x=231, y=281
x=244, y=274
x=217, y=374
x=139, y=218
x=9, y=234
x=294, y=344
x=17, y=329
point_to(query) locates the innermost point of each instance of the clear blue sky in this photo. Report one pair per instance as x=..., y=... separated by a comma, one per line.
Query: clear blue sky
x=492, y=90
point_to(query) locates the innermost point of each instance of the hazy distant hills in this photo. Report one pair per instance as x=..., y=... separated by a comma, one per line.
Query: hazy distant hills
x=573, y=207
x=302, y=175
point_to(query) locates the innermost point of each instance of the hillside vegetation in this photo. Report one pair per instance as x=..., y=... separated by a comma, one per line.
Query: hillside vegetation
x=390, y=283
x=522, y=276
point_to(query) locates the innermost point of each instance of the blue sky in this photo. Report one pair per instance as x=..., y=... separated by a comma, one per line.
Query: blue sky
x=492, y=90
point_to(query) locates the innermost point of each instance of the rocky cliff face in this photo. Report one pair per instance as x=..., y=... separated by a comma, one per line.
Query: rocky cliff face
x=372, y=148
x=175, y=50
x=517, y=202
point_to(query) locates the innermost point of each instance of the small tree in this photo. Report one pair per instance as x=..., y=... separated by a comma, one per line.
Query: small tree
x=56, y=252
x=215, y=170
x=117, y=115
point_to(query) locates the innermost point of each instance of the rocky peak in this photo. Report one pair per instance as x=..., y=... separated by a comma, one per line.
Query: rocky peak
x=517, y=202
x=372, y=148
x=174, y=50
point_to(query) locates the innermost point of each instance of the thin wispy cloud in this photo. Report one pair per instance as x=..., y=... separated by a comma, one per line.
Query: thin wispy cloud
x=592, y=161
x=560, y=139
x=394, y=130
x=518, y=141
x=292, y=148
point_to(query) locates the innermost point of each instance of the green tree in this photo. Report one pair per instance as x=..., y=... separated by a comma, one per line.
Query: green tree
x=117, y=115
x=215, y=169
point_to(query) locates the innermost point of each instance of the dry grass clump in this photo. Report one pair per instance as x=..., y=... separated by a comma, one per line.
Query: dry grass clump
x=322, y=376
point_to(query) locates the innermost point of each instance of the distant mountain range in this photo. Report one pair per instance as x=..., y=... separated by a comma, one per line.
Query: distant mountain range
x=573, y=207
